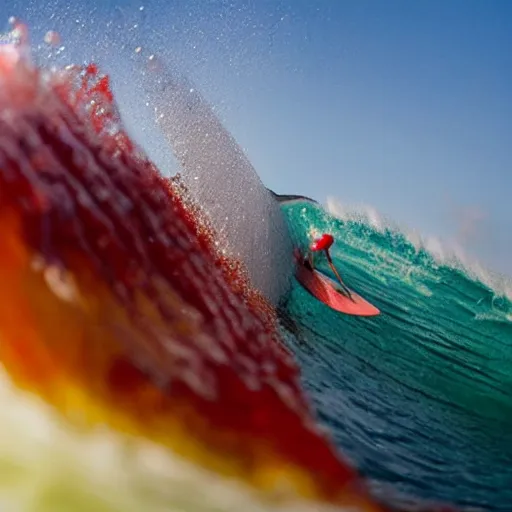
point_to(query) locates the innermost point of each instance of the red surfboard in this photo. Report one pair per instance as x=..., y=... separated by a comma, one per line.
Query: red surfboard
x=328, y=291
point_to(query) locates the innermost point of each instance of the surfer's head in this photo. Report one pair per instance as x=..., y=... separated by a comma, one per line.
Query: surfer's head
x=322, y=243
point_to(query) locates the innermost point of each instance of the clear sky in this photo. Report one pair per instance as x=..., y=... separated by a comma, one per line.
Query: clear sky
x=402, y=105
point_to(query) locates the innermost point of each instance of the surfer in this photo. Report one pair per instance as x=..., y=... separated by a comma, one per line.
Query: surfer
x=324, y=243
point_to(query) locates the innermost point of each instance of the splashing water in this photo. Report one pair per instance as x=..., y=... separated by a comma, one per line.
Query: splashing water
x=222, y=180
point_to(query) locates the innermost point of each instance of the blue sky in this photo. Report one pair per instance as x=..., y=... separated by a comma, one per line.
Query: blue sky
x=406, y=106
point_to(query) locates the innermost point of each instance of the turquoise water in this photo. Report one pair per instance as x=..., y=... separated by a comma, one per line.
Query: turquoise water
x=419, y=398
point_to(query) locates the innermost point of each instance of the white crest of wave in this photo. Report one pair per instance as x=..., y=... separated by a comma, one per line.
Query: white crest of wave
x=444, y=252
x=361, y=213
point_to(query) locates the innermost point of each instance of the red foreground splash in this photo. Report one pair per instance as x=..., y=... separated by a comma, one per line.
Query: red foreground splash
x=157, y=330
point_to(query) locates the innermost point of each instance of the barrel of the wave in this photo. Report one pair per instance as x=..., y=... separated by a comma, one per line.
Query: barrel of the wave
x=223, y=182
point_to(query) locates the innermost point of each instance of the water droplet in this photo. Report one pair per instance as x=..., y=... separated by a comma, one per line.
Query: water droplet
x=52, y=38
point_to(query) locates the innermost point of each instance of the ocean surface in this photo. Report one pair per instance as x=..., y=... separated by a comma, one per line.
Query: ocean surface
x=420, y=397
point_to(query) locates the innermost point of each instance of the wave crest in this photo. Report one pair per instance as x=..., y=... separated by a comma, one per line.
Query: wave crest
x=443, y=252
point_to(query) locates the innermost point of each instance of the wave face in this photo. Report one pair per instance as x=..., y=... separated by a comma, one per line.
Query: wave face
x=420, y=397
x=221, y=179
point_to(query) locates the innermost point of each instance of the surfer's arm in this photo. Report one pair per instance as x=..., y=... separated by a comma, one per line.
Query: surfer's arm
x=333, y=268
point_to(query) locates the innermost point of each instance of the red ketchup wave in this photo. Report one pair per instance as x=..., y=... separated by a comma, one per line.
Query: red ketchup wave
x=187, y=350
